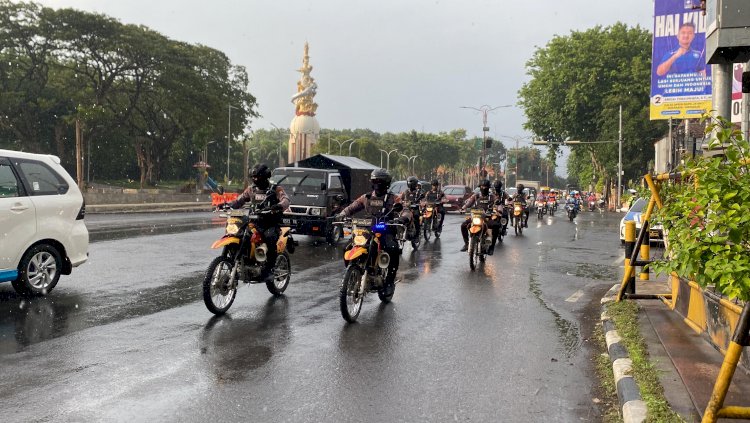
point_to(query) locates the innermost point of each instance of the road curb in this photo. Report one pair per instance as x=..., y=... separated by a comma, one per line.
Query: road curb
x=632, y=405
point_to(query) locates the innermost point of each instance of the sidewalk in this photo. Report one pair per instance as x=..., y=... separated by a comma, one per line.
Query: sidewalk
x=687, y=362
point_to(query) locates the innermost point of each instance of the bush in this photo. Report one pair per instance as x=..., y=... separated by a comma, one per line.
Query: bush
x=707, y=216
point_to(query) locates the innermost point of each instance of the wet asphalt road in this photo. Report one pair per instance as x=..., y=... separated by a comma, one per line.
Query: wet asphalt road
x=126, y=337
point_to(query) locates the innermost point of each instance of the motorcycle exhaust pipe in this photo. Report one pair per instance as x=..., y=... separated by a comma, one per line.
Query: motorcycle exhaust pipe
x=384, y=260
x=261, y=253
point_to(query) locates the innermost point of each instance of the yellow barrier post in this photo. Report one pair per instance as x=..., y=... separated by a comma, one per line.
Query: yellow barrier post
x=645, y=255
x=629, y=246
x=715, y=409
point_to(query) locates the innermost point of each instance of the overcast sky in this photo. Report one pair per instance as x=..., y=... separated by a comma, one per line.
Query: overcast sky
x=386, y=65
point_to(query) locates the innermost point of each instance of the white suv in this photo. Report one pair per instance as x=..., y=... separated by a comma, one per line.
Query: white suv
x=42, y=233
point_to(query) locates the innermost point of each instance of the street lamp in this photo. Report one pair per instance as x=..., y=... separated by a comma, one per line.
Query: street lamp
x=484, y=110
x=388, y=160
x=340, y=143
x=350, y=146
x=408, y=160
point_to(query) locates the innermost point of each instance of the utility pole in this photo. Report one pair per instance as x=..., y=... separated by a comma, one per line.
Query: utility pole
x=516, y=161
x=619, y=159
x=484, y=110
x=79, y=152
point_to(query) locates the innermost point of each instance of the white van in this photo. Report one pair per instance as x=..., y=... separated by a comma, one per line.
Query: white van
x=42, y=233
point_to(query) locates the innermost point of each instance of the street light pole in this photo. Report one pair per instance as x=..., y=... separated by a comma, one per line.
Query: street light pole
x=388, y=158
x=350, y=146
x=484, y=109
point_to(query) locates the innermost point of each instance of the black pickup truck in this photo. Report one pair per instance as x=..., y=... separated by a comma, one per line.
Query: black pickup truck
x=318, y=188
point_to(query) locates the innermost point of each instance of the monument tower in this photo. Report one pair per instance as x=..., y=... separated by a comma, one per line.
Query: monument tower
x=304, y=129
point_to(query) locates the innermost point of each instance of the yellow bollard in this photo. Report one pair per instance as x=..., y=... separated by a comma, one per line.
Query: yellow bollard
x=645, y=255
x=629, y=285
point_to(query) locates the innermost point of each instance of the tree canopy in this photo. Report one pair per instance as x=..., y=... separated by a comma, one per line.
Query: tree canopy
x=140, y=96
x=578, y=82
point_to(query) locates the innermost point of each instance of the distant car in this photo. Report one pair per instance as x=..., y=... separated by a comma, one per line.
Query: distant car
x=400, y=186
x=455, y=195
x=656, y=232
x=41, y=222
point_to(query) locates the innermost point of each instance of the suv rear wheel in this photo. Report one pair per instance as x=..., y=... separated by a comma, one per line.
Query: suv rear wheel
x=38, y=271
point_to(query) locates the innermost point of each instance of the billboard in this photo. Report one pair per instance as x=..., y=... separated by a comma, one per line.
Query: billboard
x=680, y=78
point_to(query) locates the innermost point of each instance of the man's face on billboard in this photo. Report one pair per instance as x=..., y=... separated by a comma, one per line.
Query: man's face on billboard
x=686, y=35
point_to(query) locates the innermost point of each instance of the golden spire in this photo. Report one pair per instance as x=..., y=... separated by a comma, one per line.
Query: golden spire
x=306, y=87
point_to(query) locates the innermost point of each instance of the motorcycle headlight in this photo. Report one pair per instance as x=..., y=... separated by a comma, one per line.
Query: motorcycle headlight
x=476, y=221
x=232, y=229
x=315, y=212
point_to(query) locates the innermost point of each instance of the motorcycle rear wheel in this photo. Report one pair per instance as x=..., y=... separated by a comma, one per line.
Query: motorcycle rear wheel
x=350, y=301
x=282, y=273
x=388, y=279
x=218, y=291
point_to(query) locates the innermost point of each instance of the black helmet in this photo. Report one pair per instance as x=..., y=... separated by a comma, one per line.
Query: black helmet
x=261, y=174
x=381, y=180
x=520, y=188
x=412, y=182
x=498, y=185
x=484, y=186
x=435, y=183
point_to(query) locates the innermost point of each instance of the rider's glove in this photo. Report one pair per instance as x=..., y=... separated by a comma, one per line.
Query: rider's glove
x=222, y=206
x=277, y=208
x=339, y=217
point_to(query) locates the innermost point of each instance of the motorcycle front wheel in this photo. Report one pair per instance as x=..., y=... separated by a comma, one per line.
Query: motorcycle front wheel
x=350, y=300
x=282, y=273
x=218, y=290
x=473, y=245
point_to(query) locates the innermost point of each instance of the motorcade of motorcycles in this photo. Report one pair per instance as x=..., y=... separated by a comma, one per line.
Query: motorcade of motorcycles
x=430, y=221
x=518, y=216
x=366, y=264
x=480, y=236
x=243, y=256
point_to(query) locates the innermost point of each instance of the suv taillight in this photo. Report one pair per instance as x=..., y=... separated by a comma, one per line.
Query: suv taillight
x=82, y=212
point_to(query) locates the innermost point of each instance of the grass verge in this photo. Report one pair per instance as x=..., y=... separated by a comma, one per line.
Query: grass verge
x=625, y=317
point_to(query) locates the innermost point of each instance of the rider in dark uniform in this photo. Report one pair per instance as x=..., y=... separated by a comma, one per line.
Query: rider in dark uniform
x=411, y=196
x=484, y=200
x=379, y=203
x=436, y=196
x=277, y=202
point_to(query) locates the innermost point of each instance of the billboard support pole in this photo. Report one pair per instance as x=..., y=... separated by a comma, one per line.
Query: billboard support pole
x=722, y=89
x=745, y=107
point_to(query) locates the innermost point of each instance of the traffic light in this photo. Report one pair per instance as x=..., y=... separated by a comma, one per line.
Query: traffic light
x=488, y=143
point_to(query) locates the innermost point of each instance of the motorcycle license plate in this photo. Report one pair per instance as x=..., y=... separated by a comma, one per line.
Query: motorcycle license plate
x=289, y=221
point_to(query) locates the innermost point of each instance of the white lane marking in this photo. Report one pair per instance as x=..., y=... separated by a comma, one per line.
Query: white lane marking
x=573, y=298
x=619, y=260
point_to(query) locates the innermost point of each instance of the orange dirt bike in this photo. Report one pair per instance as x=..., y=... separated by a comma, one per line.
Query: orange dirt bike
x=243, y=257
x=480, y=236
x=430, y=221
x=367, y=264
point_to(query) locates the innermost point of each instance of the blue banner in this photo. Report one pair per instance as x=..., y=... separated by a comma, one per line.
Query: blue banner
x=680, y=77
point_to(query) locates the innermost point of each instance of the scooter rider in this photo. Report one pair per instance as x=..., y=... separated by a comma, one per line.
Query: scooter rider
x=500, y=197
x=485, y=200
x=378, y=203
x=436, y=195
x=521, y=196
x=412, y=195
x=269, y=227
